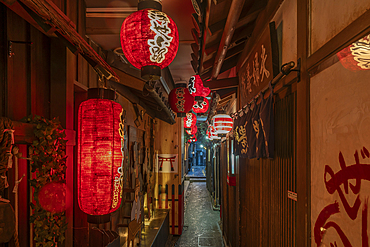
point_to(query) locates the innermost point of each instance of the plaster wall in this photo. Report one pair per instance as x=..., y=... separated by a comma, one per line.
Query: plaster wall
x=287, y=17
x=340, y=138
x=329, y=17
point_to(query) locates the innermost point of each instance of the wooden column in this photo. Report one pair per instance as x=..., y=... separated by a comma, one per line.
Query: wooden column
x=303, y=128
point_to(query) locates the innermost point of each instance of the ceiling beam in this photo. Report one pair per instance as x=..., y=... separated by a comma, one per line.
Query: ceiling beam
x=204, y=33
x=222, y=83
x=232, y=19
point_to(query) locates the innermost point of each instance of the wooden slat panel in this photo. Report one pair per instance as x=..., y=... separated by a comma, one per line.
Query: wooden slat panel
x=267, y=216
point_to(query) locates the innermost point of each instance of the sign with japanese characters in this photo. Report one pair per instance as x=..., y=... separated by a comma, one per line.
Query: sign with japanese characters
x=257, y=71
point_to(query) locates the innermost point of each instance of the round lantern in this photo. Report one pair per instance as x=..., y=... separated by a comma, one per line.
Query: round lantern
x=196, y=87
x=100, y=145
x=193, y=130
x=52, y=197
x=223, y=124
x=149, y=40
x=212, y=135
x=201, y=106
x=190, y=120
x=357, y=55
x=181, y=101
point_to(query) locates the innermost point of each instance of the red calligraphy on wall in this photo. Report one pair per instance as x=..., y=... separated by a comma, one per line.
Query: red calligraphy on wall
x=333, y=181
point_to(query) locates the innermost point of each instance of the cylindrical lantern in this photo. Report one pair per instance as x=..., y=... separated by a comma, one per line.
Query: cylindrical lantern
x=193, y=130
x=196, y=87
x=223, y=124
x=190, y=120
x=201, y=106
x=149, y=40
x=181, y=101
x=357, y=55
x=100, y=147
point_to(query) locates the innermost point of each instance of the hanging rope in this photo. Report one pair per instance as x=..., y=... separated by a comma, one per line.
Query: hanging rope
x=6, y=141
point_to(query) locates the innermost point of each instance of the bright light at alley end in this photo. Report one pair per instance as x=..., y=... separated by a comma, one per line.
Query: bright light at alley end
x=99, y=162
x=180, y=99
x=223, y=124
x=149, y=39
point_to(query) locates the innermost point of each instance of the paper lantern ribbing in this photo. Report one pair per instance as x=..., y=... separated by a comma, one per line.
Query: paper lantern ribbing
x=196, y=87
x=357, y=55
x=149, y=40
x=190, y=120
x=201, y=106
x=223, y=124
x=181, y=101
x=212, y=135
x=100, y=143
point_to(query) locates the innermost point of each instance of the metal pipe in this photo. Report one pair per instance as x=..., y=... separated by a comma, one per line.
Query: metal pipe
x=232, y=19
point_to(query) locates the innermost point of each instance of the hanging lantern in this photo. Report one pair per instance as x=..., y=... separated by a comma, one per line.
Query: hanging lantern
x=193, y=139
x=149, y=39
x=223, y=124
x=212, y=135
x=193, y=130
x=100, y=145
x=190, y=120
x=181, y=101
x=201, y=106
x=196, y=87
x=357, y=55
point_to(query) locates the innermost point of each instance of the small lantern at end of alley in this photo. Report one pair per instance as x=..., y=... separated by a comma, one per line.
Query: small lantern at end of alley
x=100, y=140
x=181, y=101
x=223, y=124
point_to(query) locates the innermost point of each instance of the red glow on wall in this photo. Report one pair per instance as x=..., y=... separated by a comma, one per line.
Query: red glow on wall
x=181, y=101
x=201, y=106
x=99, y=156
x=357, y=55
x=149, y=37
x=190, y=120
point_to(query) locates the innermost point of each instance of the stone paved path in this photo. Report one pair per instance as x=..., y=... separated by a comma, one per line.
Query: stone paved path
x=201, y=227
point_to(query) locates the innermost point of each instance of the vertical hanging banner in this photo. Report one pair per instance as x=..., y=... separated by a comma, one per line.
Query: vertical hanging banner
x=167, y=163
x=261, y=65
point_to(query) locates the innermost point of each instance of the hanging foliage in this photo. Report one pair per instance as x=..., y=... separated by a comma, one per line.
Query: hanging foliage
x=48, y=165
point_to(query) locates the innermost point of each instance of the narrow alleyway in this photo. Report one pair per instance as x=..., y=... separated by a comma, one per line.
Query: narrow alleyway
x=201, y=227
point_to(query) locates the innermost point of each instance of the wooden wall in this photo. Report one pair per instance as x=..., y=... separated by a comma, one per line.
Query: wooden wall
x=169, y=189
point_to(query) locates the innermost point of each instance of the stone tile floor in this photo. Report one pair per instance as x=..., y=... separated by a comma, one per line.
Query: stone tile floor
x=201, y=227
x=197, y=171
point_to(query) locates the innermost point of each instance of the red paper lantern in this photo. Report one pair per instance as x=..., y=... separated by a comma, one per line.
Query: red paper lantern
x=52, y=197
x=149, y=40
x=357, y=55
x=190, y=120
x=193, y=130
x=201, y=106
x=100, y=145
x=193, y=139
x=223, y=124
x=196, y=87
x=181, y=101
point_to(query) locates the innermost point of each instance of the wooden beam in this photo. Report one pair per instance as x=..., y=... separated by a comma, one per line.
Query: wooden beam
x=129, y=80
x=195, y=35
x=262, y=22
x=232, y=19
x=53, y=16
x=194, y=18
x=204, y=34
x=195, y=49
x=222, y=83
